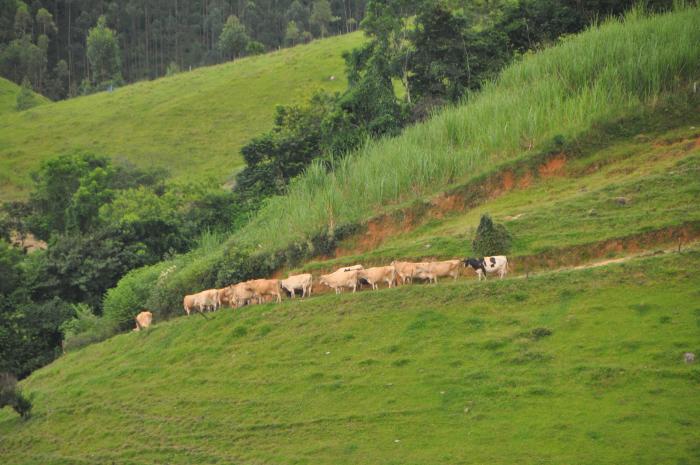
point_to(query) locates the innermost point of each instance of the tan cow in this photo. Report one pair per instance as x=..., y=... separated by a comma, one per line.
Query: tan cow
x=263, y=287
x=340, y=279
x=377, y=275
x=434, y=270
x=143, y=320
x=408, y=270
x=224, y=297
x=202, y=301
x=239, y=294
x=300, y=281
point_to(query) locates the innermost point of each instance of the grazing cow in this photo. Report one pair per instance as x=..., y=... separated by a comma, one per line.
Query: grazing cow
x=239, y=294
x=408, y=270
x=434, y=270
x=377, y=275
x=340, y=279
x=497, y=264
x=202, y=301
x=263, y=287
x=143, y=320
x=224, y=297
x=302, y=282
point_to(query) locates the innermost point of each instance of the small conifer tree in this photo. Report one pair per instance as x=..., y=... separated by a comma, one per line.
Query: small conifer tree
x=491, y=238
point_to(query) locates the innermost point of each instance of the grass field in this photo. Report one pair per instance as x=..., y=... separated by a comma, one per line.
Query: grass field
x=577, y=367
x=193, y=123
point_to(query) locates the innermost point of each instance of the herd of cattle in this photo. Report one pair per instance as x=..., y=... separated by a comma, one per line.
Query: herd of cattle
x=257, y=290
x=350, y=277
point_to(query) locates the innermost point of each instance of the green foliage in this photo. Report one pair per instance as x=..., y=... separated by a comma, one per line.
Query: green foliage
x=85, y=328
x=31, y=335
x=55, y=187
x=103, y=53
x=292, y=35
x=321, y=16
x=491, y=239
x=26, y=98
x=123, y=302
x=233, y=39
x=11, y=395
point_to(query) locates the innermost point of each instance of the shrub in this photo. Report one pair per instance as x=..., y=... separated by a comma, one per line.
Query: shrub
x=491, y=238
x=26, y=98
x=85, y=328
x=123, y=302
x=11, y=395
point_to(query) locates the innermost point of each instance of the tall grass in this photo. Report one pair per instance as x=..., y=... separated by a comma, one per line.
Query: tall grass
x=608, y=71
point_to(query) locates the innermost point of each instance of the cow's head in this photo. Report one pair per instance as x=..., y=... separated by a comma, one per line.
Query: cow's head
x=473, y=263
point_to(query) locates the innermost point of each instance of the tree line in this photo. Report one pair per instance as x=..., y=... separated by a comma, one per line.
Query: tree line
x=47, y=43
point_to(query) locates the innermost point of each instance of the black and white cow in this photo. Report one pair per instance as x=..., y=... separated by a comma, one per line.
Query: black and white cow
x=497, y=264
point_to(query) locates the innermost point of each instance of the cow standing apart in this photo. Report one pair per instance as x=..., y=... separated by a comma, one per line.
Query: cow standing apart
x=301, y=282
x=496, y=264
x=143, y=320
x=340, y=279
x=378, y=274
x=434, y=270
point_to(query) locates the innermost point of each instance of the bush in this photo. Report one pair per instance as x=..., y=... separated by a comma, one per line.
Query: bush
x=26, y=98
x=85, y=328
x=123, y=302
x=11, y=395
x=491, y=238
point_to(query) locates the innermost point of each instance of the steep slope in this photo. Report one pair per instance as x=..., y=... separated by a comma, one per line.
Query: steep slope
x=193, y=123
x=578, y=367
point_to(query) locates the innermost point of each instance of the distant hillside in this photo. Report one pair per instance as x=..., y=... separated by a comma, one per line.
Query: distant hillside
x=193, y=123
x=8, y=98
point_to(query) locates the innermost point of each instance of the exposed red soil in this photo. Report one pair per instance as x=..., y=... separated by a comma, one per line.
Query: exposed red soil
x=553, y=167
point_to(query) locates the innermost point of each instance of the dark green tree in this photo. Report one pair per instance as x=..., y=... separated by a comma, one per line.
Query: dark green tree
x=490, y=238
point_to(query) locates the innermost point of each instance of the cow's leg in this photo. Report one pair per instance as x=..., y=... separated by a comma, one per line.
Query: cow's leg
x=279, y=298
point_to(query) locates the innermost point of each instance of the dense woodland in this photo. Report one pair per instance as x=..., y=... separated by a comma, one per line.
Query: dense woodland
x=47, y=41
x=102, y=220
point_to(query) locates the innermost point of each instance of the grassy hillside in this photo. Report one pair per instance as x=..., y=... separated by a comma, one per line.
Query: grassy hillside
x=595, y=112
x=629, y=187
x=605, y=73
x=577, y=367
x=193, y=123
x=8, y=97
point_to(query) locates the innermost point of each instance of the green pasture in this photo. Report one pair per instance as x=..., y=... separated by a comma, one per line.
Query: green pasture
x=193, y=124
x=580, y=367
